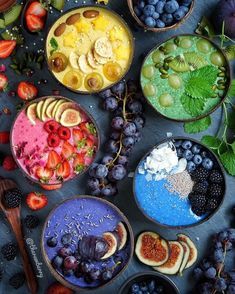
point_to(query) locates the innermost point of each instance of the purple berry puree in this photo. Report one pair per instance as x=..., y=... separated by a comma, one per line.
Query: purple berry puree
x=84, y=216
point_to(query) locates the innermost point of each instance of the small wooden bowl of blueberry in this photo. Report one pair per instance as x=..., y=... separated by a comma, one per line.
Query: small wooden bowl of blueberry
x=160, y=15
x=149, y=282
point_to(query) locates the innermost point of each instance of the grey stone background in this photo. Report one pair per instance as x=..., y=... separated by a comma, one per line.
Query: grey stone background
x=154, y=131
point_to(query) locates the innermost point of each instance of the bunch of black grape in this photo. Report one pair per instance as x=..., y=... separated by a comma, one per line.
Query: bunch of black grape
x=212, y=276
x=125, y=102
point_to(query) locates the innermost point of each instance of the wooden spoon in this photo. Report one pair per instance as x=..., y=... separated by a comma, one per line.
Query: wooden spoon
x=13, y=217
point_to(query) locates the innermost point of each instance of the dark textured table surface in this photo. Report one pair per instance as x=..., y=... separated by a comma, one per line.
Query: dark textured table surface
x=154, y=131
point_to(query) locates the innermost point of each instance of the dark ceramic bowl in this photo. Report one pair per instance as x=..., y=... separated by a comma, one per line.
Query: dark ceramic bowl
x=228, y=82
x=132, y=46
x=207, y=217
x=130, y=245
x=76, y=176
x=131, y=4
x=169, y=286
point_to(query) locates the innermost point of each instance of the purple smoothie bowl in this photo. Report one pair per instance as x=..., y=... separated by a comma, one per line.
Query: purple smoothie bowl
x=85, y=216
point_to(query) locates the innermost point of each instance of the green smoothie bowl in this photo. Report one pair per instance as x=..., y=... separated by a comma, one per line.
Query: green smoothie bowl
x=185, y=78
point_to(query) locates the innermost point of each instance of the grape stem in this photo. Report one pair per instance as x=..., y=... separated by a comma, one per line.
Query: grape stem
x=117, y=154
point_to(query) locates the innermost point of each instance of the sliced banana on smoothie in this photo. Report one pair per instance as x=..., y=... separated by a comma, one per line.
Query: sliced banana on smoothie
x=91, y=60
x=83, y=64
x=73, y=59
x=100, y=59
x=103, y=47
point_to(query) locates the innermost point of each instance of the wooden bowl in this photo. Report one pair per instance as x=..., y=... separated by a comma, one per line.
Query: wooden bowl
x=6, y=4
x=131, y=4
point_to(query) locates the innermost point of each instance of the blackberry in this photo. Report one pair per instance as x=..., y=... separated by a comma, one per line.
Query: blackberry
x=9, y=251
x=200, y=174
x=212, y=204
x=17, y=280
x=201, y=187
x=12, y=198
x=199, y=211
x=31, y=221
x=216, y=177
x=198, y=200
x=215, y=191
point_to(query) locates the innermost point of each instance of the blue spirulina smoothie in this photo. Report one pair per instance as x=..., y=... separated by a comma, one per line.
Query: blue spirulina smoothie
x=84, y=216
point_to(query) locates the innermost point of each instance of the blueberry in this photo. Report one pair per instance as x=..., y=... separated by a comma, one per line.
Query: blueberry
x=150, y=22
x=178, y=143
x=171, y=6
x=196, y=149
x=191, y=166
x=167, y=18
x=207, y=163
x=188, y=155
x=66, y=239
x=187, y=144
x=184, y=8
x=151, y=285
x=179, y=14
x=186, y=2
x=152, y=2
x=156, y=15
x=160, y=24
x=197, y=159
x=52, y=242
x=135, y=288
x=141, y=5
x=180, y=152
x=149, y=10
x=159, y=7
x=137, y=11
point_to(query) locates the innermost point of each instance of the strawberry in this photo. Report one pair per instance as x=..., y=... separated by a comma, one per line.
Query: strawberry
x=3, y=82
x=44, y=174
x=9, y=163
x=4, y=137
x=78, y=135
x=34, y=23
x=88, y=128
x=36, y=200
x=63, y=170
x=53, y=160
x=27, y=91
x=57, y=288
x=51, y=187
x=67, y=150
x=36, y=8
x=79, y=162
x=6, y=48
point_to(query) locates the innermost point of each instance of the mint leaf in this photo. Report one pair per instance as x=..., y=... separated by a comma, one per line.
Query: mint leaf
x=200, y=82
x=233, y=147
x=197, y=126
x=228, y=161
x=211, y=141
x=231, y=92
x=193, y=106
x=54, y=45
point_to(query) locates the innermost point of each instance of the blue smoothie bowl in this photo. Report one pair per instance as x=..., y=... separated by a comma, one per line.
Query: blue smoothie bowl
x=160, y=198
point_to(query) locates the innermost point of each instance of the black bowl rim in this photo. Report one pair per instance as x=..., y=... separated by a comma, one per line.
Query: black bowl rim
x=132, y=39
x=48, y=262
x=182, y=226
x=229, y=82
x=149, y=273
x=83, y=109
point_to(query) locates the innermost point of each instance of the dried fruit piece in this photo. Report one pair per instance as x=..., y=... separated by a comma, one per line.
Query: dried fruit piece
x=70, y=118
x=185, y=258
x=122, y=235
x=91, y=13
x=58, y=62
x=73, y=18
x=193, y=250
x=112, y=244
x=60, y=29
x=152, y=249
x=172, y=265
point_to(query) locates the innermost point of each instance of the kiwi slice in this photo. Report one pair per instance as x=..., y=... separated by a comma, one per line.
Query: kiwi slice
x=12, y=14
x=58, y=4
x=195, y=60
x=179, y=64
x=230, y=52
x=2, y=23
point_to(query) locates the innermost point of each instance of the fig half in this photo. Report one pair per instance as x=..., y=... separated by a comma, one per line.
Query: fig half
x=193, y=250
x=172, y=266
x=122, y=235
x=112, y=244
x=185, y=258
x=152, y=249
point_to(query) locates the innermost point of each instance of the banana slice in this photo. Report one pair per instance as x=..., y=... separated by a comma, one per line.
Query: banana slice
x=103, y=47
x=84, y=66
x=100, y=59
x=83, y=43
x=73, y=59
x=91, y=60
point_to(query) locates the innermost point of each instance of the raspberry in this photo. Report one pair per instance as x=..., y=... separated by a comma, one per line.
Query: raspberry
x=212, y=204
x=9, y=163
x=17, y=280
x=198, y=200
x=200, y=174
x=64, y=133
x=53, y=140
x=215, y=191
x=9, y=251
x=51, y=126
x=199, y=211
x=12, y=198
x=201, y=187
x=216, y=177
x=31, y=221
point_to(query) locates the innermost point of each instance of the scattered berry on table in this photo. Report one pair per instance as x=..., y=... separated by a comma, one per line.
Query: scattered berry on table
x=12, y=198
x=31, y=221
x=3, y=82
x=36, y=200
x=17, y=280
x=4, y=137
x=27, y=91
x=9, y=163
x=9, y=251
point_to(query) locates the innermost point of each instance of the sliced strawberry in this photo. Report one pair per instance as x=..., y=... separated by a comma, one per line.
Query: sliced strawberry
x=79, y=163
x=88, y=128
x=36, y=8
x=78, y=135
x=67, y=150
x=27, y=91
x=57, y=288
x=53, y=160
x=34, y=23
x=44, y=174
x=6, y=47
x=36, y=200
x=90, y=143
x=63, y=170
x=4, y=137
x=3, y=82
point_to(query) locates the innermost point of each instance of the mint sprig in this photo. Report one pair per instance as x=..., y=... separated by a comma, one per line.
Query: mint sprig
x=197, y=126
x=193, y=106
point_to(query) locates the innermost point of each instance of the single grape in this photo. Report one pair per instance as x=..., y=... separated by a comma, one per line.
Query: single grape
x=128, y=141
x=118, y=172
x=210, y=273
x=231, y=289
x=139, y=122
x=126, y=151
x=148, y=71
x=137, y=136
x=93, y=183
x=122, y=159
x=70, y=262
x=231, y=235
x=223, y=236
x=149, y=90
x=110, y=104
x=175, y=81
x=204, y=46
x=129, y=129
x=101, y=171
x=109, y=190
x=135, y=107
x=198, y=273
x=217, y=59
x=57, y=261
x=166, y=100
x=158, y=56
x=96, y=192
x=115, y=135
x=185, y=43
x=105, y=94
x=119, y=88
x=117, y=123
x=218, y=255
x=220, y=284
x=92, y=170
x=107, y=159
x=118, y=111
x=111, y=146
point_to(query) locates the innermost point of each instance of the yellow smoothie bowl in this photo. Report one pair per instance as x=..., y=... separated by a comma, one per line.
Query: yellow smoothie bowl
x=89, y=49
